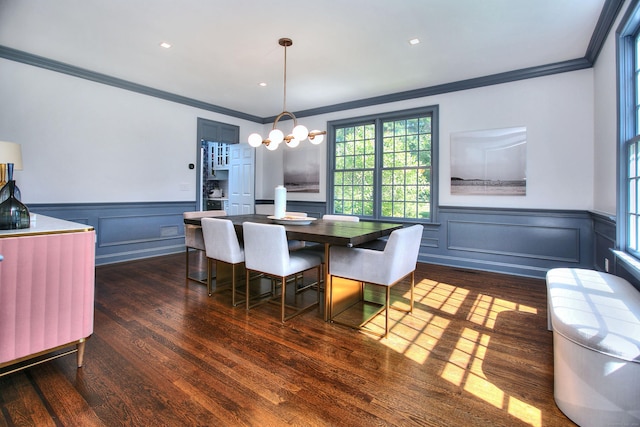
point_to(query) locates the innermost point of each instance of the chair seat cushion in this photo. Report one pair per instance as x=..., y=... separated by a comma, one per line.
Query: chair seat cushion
x=300, y=261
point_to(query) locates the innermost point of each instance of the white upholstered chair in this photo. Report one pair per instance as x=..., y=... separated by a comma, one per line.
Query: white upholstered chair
x=382, y=268
x=193, y=239
x=267, y=252
x=222, y=245
x=270, y=210
x=319, y=249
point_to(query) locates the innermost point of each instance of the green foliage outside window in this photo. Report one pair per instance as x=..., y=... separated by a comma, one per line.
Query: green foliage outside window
x=404, y=156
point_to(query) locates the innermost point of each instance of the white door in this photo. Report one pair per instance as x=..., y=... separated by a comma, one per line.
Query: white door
x=241, y=180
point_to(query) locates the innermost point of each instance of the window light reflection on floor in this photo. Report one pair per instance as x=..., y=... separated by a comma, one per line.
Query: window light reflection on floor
x=465, y=369
x=486, y=309
x=416, y=336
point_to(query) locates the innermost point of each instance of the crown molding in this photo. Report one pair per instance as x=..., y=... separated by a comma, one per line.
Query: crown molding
x=607, y=18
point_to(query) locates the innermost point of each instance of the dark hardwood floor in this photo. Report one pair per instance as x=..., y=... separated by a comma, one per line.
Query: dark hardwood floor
x=476, y=352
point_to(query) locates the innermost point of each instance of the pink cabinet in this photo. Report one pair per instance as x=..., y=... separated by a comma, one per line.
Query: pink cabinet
x=47, y=280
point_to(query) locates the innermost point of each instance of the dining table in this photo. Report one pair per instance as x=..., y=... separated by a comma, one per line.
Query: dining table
x=325, y=232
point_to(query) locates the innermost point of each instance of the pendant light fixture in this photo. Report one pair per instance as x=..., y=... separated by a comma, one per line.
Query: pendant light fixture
x=299, y=132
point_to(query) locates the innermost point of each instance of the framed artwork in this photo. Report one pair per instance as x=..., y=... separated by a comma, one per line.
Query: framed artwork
x=489, y=162
x=301, y=170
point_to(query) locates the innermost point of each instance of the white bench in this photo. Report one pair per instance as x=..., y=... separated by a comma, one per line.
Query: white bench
x=595, y=318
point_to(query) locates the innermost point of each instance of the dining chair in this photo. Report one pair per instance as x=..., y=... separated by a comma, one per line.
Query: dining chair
x=193, y=238
x=380, y=268
x=319, y=249
x=270, y=209
x=222, y=245
x=266, y=251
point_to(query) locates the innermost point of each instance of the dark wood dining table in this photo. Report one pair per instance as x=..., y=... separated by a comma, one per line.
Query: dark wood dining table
x=342, y=233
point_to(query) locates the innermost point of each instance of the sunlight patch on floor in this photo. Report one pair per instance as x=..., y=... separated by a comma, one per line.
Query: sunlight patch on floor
x=486, y=309
x=441, y=296
x=414, y=336
x=464, y=369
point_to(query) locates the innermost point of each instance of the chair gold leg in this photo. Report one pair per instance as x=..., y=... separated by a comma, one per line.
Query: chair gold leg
x=318, y=287
x=186, y=277
x=209, y=286
x=246, y=295
x=284, y=292
x=386, y=311
x=233, y=285
x=413, y=282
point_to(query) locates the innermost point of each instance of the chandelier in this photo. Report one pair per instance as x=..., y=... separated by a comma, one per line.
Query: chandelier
x=299, y=132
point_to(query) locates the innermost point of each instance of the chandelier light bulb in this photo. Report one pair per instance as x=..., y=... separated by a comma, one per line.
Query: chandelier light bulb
x=300, y=132
x=293, y=142
x=276, y=136
x=317, y=137
x=255, y=140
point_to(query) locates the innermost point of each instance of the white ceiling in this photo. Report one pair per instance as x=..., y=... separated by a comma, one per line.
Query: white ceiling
x=343, y=50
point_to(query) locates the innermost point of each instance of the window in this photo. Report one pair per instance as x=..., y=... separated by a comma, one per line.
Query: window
x=381, y=166
x=629, y=130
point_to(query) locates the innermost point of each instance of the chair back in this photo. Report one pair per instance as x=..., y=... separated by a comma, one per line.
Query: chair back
x=193, y=233
x=266, y=248
x=350, y=218
x=401, y=252
x=221, y=241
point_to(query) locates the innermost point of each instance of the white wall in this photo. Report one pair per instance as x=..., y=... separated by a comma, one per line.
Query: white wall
x=88, y=142
x=557, y=111
x=605, y=125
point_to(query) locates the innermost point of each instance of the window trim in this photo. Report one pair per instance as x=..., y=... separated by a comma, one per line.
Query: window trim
x=626, y=34
x=432, y=110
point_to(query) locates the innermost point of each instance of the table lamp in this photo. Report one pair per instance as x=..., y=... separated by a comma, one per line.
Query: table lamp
x=11, y=156
x=13, y=213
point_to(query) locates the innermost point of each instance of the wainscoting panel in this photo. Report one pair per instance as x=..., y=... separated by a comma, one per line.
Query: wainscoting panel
x=511, y=241
x=604, y=229
x=515, y=240
x=127, y=231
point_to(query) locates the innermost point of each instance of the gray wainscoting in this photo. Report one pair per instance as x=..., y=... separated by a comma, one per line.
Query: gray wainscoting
x=513, y=241
x=127, y=231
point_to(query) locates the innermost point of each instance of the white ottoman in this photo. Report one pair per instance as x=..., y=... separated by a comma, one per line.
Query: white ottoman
x=595, y=318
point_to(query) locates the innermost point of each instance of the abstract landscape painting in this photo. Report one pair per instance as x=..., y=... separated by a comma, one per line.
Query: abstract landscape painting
x=489, y=162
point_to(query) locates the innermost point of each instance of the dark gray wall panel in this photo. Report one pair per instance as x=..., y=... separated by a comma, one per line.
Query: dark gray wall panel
x=121, y=230
x=529, y=241
x=512, y=241
x=604, y=229
x=127, y=231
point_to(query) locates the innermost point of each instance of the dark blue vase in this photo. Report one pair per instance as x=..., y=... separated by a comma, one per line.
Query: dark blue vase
x=13, y=213
x=4, y=191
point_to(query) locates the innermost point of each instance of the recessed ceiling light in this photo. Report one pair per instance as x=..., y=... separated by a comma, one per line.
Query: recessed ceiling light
x=263, y=84
x=165, y=45
x=414, y=41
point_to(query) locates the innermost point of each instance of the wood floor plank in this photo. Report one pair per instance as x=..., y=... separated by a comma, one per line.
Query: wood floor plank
x=475, y=352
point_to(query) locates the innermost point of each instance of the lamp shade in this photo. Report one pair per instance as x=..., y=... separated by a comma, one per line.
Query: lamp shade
x=10, y=152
